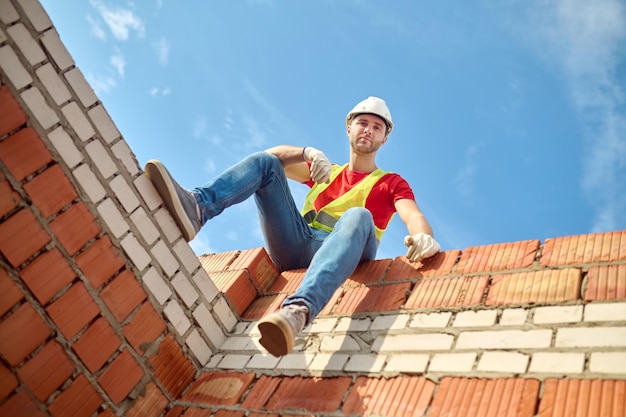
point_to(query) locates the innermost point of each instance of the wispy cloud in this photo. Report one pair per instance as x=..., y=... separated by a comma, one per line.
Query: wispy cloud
x=119, y=20
x=119, y=63
x=466, y=176
x=156, y=91
x=96, y=29
x=102, y=84
x=162, y=48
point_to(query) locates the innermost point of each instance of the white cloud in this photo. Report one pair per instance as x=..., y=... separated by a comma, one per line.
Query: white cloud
x=201, y=244
x=101, y=84
x=465, y=177
x=199, y=128
x=120, y=21
x=162, y=48
x=119, y=63
x=156, y=91
x=96, y=29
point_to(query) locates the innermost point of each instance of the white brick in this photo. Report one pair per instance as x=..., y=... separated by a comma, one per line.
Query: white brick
x=37, y=104
x=78, y=121
x=112, y=217
x=104, y=124
x=157, y=286
x=412, y=342
x=605, y=312
x=452, y=362
x=348, y=324
x=503, y=362
x=8, y=13
x=36, y=14
x=123, y=153
x=365, y=363
x=89, y=183
x=54, y=86
x=323, y=325
x=225, y=313
x=147, y=190
x=52, y=43
x=208, y=324
x=234, y=361
x=557, y=362
x=64, y=145
x=81, y=87
x=339, y=343
x=186, y=255
x=124, y=194
x=513, y=317
x=145, y=225
x=135, y=251
x=3, y=36
x=13, y=68
x=169, y=228
x=479, y=318
x=591, y=337
x=214, y=361
x=199, y=347
x=390, y=322
x=184, y=289
x=205, y=285
x=26, y=44
x=329, y=362
x=237, y=343
x=263, y=361
x=504, y=339
x=177, y=317
x=164, y=257
x=101, y=158
x=421, y=320
x=296, y=360
x=407, y=363
x=608, y=362
x=558, y=314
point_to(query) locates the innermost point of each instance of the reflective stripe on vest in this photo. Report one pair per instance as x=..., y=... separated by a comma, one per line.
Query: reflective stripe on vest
x=328, y=216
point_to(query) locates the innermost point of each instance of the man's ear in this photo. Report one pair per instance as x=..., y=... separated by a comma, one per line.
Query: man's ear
x=348, y=130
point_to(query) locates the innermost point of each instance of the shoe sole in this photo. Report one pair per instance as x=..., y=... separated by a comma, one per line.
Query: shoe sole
x=276, y=335
x=160, y=178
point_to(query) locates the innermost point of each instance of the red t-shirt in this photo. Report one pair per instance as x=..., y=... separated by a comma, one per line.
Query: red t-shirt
x=380, y=202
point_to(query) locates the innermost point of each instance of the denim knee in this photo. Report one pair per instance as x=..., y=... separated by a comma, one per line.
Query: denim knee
x=357, y=218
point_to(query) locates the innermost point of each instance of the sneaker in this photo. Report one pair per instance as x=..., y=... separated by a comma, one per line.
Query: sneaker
x=279, y=329
x=181, y=203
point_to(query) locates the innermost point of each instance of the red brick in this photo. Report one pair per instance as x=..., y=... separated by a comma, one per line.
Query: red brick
x=400, y=396
x=261, y=392
x=316, y=395
x=216, y=262
x=229, y=413
x=144, y=328
x=472, y=397
x=45, y=372
x=97, y=344
x=123, y=294
x=50, y=191
x=120, y=377
x=373, y=298
x=438, y=265
x=8, y=382
x=583, y=397
x=263, y=305
x=535, y=287
x=288, y=281
x=334, y=300
x=106, y=413
x=75, y=227
x=15, y=343
x=498, y=257
x=79, y=400
x=606, y=283
x=237, y=286
x=24, y=153
x=259, y=265
x=10, y=293
x=369, y=272
x=21, y=236
x=172, y=367
x=73, y=310
x=11, y=114
x=9, y=198
x=20, y=405
x=582, y=249
x=176, y=411
x=100, y=261
x=197, y=412
x=219, y=388
x=47, y=274
x=448, y=292
x=150, y=404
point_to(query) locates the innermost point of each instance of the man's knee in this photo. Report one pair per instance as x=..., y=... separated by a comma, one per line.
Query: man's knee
x=357, y=218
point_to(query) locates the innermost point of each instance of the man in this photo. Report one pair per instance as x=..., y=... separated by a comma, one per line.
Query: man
x=343, y=219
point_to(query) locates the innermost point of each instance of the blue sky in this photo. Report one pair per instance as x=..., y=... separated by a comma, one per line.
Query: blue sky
x=510, y=116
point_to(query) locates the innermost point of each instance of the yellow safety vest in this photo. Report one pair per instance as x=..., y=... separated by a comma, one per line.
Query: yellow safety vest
x=328, y=215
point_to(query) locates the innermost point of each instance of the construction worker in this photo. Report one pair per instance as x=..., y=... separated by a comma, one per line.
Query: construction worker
x=344, y=217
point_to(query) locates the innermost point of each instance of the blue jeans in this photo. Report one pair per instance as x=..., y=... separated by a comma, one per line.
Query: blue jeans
x=331, y=257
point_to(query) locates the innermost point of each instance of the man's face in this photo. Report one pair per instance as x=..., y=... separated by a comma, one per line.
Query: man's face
x=367, y=133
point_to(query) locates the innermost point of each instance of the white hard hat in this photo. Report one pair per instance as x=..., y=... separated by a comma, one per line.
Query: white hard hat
x=372, y=105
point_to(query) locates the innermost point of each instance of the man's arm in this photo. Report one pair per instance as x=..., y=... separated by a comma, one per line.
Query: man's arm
x=413, y=217
x=291, y=157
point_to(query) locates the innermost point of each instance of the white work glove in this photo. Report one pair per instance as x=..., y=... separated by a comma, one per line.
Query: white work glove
x=420, y=246
x=320, y=165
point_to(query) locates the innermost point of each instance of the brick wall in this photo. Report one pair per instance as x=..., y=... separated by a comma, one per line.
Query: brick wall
x=105, y=310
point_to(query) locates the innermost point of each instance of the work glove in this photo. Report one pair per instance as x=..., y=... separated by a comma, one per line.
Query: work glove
x=320, y=165
x=421, y=246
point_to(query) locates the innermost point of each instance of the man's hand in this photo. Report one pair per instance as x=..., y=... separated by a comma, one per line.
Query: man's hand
x=320, y=165
x=420, y=246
